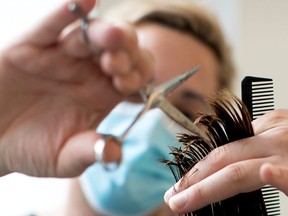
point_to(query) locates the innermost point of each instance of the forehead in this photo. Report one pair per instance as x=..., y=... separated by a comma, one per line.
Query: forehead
x=176, y=52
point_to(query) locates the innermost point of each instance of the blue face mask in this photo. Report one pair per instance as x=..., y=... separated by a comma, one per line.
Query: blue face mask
x=138, y=185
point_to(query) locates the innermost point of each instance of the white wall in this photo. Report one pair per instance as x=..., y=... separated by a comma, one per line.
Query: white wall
x=258, y=31
x=263, y=45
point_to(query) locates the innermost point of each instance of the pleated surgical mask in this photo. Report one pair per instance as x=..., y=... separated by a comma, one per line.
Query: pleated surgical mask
x=137, y=186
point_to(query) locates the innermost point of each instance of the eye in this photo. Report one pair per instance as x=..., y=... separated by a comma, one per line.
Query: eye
x=188, y=109
x=190, y=115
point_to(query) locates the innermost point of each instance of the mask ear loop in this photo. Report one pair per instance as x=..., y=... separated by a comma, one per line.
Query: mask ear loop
x=76, y=9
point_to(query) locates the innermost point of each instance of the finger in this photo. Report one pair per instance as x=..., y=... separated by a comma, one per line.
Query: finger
x=143, y=72
x=115, y=62
x=74, y=44
x=276, y=119
x=128, y=84
x=274, y=175
x=259, y=146
x=50, y=28
x=78, y=153
x=221, y=157
x=114, y=36
x=146, y=66
x=102, y=36
x=233, y=179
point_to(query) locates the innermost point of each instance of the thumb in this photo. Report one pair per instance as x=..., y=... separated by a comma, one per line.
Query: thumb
x=78, y=153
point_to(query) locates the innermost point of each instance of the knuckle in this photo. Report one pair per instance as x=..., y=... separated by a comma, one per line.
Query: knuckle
x=282, y=135
x=277, y=114
x=198, y=192
x=235, y=173
x=275, y=117
x=219, y=155
x=277, y=140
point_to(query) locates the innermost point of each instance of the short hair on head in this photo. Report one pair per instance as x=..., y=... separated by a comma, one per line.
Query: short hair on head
x=183, y=16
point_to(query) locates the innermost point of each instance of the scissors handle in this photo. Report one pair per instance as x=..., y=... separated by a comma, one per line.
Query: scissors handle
x=168, y=87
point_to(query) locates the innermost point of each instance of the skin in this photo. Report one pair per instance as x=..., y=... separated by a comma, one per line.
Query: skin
x=171, y=59
x=51, y=91
x=241, y=166
x=276, y=175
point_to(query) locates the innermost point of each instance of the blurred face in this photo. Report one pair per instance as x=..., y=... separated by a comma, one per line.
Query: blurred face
x=175, y=53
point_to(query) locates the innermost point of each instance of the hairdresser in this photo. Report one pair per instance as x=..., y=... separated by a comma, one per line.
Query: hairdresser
x=54, y=91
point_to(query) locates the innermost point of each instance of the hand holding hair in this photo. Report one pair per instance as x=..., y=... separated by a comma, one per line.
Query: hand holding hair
x=234, y=168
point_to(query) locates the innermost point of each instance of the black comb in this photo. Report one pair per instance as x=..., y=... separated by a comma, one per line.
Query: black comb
x=258, y=96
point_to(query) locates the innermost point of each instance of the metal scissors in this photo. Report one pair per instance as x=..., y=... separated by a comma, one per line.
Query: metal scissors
x=76, y=9
x=157, y=98
x=153, y=97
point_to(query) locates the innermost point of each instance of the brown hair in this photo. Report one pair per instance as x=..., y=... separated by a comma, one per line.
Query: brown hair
x=183, y=16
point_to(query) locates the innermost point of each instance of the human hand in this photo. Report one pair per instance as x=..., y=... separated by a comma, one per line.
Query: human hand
x=234, y=168
x=54, y=91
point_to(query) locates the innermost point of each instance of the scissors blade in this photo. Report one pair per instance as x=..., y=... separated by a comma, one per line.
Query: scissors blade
x=177, y=116
x=169, y=86
x=154, y=99
x=139, y=115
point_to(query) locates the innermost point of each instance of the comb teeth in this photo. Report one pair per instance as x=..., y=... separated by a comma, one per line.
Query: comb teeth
x=258, y=96
x=271, y=200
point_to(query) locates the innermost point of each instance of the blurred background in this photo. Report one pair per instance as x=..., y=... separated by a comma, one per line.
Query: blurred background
x=257, y=31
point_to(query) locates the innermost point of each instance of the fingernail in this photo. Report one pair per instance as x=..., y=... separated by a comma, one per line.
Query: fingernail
x=178, y=201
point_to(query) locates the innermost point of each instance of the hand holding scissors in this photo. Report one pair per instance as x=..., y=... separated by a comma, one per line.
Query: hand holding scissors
x=153, y=98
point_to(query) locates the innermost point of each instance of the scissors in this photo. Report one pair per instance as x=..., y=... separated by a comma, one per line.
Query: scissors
x=153, y=97
x=157, y=98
